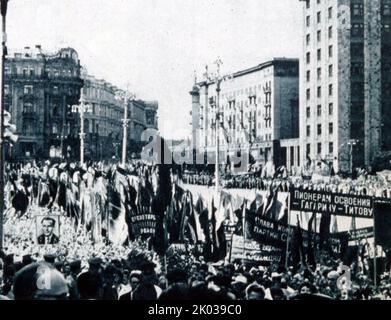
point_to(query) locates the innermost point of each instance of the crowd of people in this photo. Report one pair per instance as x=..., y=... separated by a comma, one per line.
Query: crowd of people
x=362, y=184
x=83, y=265
x=83, y=270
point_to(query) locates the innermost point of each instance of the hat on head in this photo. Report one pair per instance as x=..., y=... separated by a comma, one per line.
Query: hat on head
x=27, y=259
x=177, y=275
x=96, y=262
x=49, y=258
x=148, y=266
x=74, y=265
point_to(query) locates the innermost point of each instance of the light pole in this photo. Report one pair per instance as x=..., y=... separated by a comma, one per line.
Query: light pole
x=4, y=4
x=125, y=97
x=81, y=109
x=218, y=79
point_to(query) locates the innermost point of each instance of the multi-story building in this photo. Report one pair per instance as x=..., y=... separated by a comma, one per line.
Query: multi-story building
x=39, y=88
x=345, y=87
x=142, y=115
x=104, y=123
x=258, y=112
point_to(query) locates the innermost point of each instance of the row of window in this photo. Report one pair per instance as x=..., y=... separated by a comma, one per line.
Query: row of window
x=319, y=36
x=31, y=72
x=319, y=148
x=319, y=73
x=357, y=9
x=319, y=54
x=319, y=129
x=249, y=91
x=319, y=17
x=308, y=3
x=29, y=89
x=319, y=110
x=319, y=92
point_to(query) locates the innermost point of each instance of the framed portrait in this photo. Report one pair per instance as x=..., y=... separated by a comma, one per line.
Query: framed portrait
x=47, y=229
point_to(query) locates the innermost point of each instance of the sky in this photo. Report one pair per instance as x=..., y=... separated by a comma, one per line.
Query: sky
x=155, y=46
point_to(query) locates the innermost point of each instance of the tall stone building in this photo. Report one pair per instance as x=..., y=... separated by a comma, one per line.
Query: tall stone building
x=104, y=123
x=345, y=88
x=39, y=90
x=259, y=112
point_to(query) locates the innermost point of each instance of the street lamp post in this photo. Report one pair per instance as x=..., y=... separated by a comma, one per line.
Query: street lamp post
x=125, y=96
x=3, y=4
x=218, y=79
x=81, y=109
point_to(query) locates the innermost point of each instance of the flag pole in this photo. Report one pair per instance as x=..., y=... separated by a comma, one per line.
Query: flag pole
x=244, y=229
x=289, y=232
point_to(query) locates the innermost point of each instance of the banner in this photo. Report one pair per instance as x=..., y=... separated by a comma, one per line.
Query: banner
x=332, y=203
x=273, y=233
x=254, y=252
x=143, y=224
x=360, y=234
x=266, y=231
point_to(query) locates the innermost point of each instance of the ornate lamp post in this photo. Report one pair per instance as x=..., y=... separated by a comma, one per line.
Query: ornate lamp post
x=125, y=97
x=219, y=122
x=81, y=109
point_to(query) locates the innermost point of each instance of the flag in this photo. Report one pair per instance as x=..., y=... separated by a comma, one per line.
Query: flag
x=311, y=242
x=188, y=225
x=117, y=226
x=219, y=248
x=272, y=205
x=174, y=214
x=200, y=209
x=297, y=250
x=382, y=217
x=205, y=227
x=324, y=229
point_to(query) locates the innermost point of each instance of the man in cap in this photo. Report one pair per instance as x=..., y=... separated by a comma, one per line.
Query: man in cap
x=39, y=281
x=178, y=289
x=90, y=286
x=95, y=265
x=148, y=290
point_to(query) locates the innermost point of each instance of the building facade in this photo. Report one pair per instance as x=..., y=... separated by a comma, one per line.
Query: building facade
x=39, y=90
x=258, y=111
x=345, y=87
x=104, y=123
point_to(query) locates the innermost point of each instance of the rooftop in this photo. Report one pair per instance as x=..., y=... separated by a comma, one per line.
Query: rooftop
x=264, y=65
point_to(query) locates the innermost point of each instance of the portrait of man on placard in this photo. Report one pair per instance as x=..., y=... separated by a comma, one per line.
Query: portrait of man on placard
x=47, y=229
